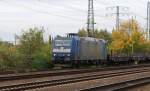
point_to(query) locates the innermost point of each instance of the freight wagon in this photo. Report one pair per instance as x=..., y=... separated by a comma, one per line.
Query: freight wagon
x=79, y=50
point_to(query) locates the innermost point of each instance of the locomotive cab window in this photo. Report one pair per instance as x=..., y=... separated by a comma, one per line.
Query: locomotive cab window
x=59, y=43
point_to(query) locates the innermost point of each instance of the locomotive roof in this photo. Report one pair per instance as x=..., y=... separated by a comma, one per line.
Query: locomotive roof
x=62, y=38
x=92, y=39
x=84, y=38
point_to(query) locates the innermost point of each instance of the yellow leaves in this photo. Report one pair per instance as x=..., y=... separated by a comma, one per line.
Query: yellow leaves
x=128, y=34
x=117, y=45
x=116, y=35
x=12, y=49
x=118, y=40
x=129, y=41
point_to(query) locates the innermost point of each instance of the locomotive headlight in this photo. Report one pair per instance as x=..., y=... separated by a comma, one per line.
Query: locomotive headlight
x=54, y=54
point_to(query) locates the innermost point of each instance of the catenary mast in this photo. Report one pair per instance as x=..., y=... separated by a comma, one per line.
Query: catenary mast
x=90, y=19
x=148, y=22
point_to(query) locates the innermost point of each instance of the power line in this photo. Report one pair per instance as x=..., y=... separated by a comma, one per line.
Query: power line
x=68, y=7
x=118, y=13
x=42, y=12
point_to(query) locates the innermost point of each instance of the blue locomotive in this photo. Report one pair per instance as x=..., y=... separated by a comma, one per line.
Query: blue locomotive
x=78, y=50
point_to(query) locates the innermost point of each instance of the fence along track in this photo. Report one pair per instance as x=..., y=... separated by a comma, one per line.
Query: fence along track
x=41, y=84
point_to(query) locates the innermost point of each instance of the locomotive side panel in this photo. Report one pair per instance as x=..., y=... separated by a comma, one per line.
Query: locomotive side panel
x=92, y=49
x=103, y=50
x=79, y=48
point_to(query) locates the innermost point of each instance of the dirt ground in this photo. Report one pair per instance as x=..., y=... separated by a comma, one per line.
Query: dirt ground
x=141, y=88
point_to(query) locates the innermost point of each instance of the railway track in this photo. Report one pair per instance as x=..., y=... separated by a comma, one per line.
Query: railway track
x=6, y=72
x=41, y=84
x=123, y=86
x=31, y=75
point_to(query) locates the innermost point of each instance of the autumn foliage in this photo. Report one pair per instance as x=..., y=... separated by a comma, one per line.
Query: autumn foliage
x=30, y=54
x=130, y=38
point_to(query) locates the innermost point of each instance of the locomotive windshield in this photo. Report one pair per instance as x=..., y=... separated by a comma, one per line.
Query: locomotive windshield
x=60, y=43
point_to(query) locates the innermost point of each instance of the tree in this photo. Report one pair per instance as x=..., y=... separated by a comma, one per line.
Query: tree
x=30, y=41
x=35, y=52
x=103, y=34
x=82, y=32
x=8, y=56
x=42, y=57
x=129, y=38
x=30, y=53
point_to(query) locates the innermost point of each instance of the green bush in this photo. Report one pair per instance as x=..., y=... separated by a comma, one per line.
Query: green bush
x=32, y=52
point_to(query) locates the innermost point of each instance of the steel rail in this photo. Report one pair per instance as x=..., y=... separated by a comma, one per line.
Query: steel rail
x=33, y=85
x=63, y=72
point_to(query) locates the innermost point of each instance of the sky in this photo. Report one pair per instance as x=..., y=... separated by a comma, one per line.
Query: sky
x=59, y=17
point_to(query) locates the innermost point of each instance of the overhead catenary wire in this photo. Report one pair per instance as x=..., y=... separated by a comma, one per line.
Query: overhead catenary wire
x=67, y=6
x=40, y=12
x=49, y=13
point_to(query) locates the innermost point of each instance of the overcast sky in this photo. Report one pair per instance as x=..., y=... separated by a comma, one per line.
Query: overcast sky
x=62, y=16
